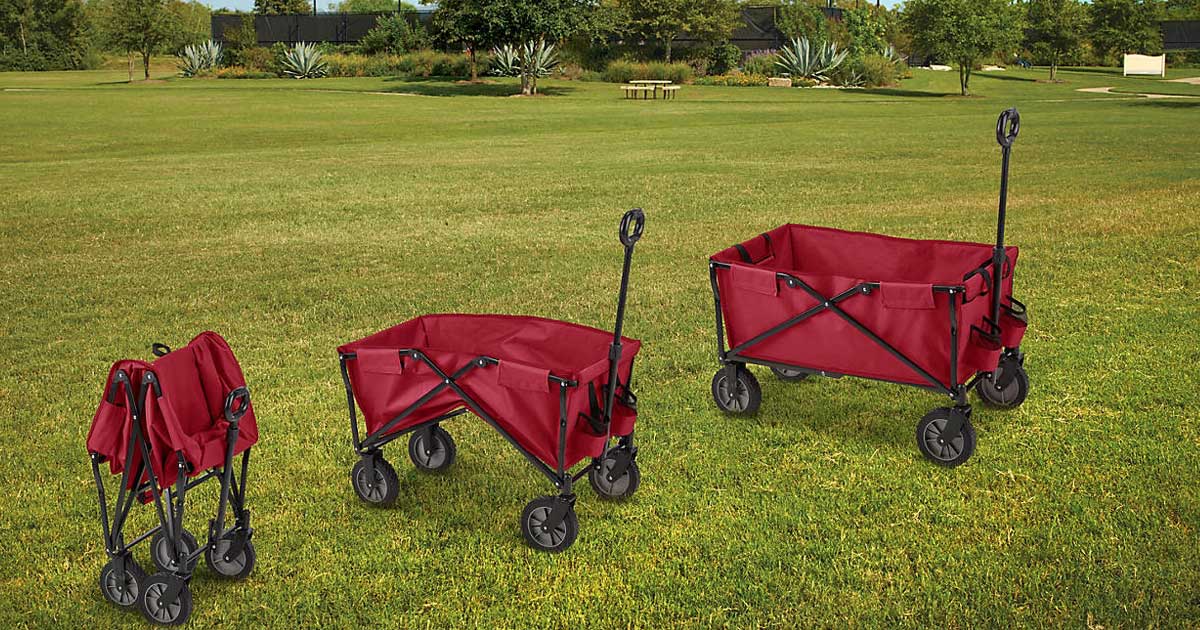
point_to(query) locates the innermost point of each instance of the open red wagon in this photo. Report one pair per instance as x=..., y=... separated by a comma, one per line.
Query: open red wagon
x=543, y=384
x=807, y=300
x=167, y=426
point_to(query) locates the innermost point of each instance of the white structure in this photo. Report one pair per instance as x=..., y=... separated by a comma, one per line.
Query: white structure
x=1145, y=64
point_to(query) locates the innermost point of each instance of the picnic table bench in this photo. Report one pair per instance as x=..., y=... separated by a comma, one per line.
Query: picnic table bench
x=649, y=88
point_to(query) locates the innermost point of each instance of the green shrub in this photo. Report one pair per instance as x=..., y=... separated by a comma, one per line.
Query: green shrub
x=394, y=34
x=257, y=58
x=723, y=58
x=424, y=63
x=625, y=71
x=241, y=72
x=878, y=70
x=735, y=79
x=763, y=64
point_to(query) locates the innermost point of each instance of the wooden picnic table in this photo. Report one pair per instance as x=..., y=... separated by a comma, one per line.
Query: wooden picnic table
x=650, y=87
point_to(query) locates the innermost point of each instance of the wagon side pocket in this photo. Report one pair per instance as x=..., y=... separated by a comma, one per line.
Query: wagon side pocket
x=1014, y=319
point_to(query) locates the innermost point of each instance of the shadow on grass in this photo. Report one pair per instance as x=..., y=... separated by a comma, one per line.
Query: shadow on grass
x=1003, y=77
x=1107, y=71
x=1168, y=103
x=910, y=93
x=448, y=87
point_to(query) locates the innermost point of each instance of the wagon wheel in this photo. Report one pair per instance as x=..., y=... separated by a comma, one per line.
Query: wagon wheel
x=436, y=456
x=122, y=588
x=744, y=397
x=1008, y=397
x=610, y=487
x=541, y=536
x=233, y=568
x=167, y=613
x=382, y=488
x=789, y=375
x=164, y=556
x=940, y=451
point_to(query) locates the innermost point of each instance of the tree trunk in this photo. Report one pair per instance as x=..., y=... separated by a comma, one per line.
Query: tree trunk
x=964, y=77
x=525, y=87
x=146, y=63
x=129, y=54
x=1053, y=67
x=669, y=38
x=474, y=71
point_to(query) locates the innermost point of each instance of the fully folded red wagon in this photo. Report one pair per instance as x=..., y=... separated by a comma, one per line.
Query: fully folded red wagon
x=559, y=392
x=166, y=426
x=807, y=300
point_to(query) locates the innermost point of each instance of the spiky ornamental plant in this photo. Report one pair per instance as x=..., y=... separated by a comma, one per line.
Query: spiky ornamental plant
x=304, y=61
x=538, y=60
x=506, y=61
x=195, y=59
x=808, y=60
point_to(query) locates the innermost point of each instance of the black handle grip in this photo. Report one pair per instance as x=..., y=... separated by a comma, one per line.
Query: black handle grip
x=634, y=219
x=1007, y=127
x=160, y=349
x=237, y=403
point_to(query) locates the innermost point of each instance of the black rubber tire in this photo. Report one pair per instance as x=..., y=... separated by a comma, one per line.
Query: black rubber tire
x=435, y=459
x=385, y=487
x=949, y=454
x=123, y=593
x=617, y=489
x=236, y=568
x=552, y=541
x=748, y=393
x=789, y=376
x=175, y=613
x=160, y=551
x=1010, y=397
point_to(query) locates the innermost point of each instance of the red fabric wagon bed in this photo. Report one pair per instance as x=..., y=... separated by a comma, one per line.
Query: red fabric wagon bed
x=517, y=391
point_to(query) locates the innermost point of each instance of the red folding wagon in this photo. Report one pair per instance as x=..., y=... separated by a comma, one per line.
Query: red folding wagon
x=167, y=426
x=558, y=392
x=805, y=300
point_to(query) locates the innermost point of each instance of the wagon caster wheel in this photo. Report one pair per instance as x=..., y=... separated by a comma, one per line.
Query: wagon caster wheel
x=167, y=613
x=434, y=457
x=1008, y=397
x=542, y=536
x=232, y=568
x=122, y=587
x=164, y=558
x=609, y=487
x=744, y=397
x=382, y=488
x=789, y=375
x=940, y=451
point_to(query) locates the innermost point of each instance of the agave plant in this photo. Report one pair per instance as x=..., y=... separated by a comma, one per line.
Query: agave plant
x=506, y=61
x=195, y=59
x=304, y=61
x=809, y=60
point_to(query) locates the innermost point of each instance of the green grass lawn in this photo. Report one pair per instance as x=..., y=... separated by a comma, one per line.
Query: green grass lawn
x=292, y=216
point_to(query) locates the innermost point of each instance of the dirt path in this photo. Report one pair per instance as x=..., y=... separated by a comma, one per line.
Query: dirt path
x=1109, y=90
x=1191, y=80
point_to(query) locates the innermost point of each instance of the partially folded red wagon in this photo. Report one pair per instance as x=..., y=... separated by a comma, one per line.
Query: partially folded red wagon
x=806, y=300
x=166, y=426
x=559, y=392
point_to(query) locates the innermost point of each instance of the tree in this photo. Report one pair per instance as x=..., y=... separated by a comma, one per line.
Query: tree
x=802, y=18
x=1125, y=26
x=42, y=34
x=395, y=34
x=1056, y=29
x=282, y=7
x=962, y=31
x=147, y=27
x=661, y=21
x=482, y=24
x=370, y=6
x=867, y=31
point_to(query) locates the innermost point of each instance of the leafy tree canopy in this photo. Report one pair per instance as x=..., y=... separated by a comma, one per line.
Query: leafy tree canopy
x=962, y=31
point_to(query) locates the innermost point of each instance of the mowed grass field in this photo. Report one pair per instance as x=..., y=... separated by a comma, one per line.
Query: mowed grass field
x=295, y=216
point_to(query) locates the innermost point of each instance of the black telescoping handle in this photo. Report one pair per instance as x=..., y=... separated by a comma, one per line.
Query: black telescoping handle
x=631, y=230
x=237, y=403
x=1007, y=128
